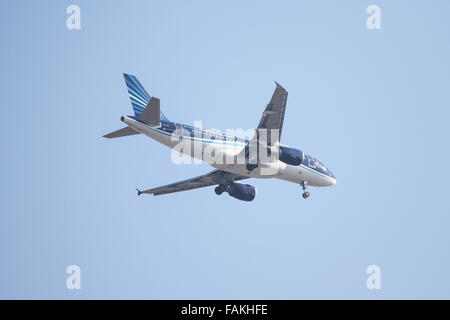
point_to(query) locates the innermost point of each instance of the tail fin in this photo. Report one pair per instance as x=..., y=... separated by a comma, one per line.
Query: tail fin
x=138, y=96
x=146, y=108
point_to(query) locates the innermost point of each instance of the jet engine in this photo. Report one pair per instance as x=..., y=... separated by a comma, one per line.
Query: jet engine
x=238, y=190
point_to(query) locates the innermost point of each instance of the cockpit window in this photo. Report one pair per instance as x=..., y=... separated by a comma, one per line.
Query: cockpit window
x=317, y=165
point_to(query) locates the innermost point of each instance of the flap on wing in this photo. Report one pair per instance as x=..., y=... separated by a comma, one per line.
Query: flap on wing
x=212, y=178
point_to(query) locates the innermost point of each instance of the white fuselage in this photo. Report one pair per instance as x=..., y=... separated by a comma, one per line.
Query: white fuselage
x=201, y=148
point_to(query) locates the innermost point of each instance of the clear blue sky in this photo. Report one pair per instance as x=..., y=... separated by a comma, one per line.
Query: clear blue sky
x=372, y=105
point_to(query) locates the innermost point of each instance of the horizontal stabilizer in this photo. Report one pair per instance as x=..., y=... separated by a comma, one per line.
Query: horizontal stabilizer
x=151, y=113
x=127, y=131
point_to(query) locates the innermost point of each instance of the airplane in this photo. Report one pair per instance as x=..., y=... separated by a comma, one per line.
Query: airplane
x=284, y=162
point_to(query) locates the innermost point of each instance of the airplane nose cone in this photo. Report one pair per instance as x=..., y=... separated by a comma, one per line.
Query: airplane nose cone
x=331, y=179
x=329, y=182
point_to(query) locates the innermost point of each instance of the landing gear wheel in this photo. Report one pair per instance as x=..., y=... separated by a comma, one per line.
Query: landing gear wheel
x=219, y=190
x=305, y=192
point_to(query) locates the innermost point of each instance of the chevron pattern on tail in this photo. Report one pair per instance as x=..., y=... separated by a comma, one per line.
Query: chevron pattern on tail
x=138, y=96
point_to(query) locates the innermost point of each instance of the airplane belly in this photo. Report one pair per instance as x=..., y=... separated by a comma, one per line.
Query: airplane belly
x=298, y=174
x=292, y=174
x=155, y=134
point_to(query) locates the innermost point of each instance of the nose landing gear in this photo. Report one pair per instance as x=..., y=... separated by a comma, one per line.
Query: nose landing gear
x=305, y=191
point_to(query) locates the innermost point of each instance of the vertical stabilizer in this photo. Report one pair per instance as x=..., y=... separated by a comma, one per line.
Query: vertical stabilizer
x=138, y=96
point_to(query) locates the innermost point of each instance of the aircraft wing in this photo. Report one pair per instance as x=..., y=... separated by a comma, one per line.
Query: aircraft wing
x=273, y=115
x=272, y=119
x=212, y=178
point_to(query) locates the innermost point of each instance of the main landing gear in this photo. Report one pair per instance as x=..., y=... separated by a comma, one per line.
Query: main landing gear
x=305, y=191
x=219, y=189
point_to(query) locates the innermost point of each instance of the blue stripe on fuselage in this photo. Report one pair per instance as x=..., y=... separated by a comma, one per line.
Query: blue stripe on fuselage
x=233, y=143
x=165, y=131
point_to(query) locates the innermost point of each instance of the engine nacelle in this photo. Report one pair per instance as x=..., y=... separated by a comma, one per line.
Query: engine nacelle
x=291, y=156
x=241, y=191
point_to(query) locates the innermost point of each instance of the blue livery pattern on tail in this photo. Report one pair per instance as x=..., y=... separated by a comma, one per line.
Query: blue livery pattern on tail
x=138, y=96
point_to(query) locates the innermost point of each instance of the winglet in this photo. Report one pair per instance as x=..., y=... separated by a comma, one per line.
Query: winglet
x=139, y=191
x=278, y=85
